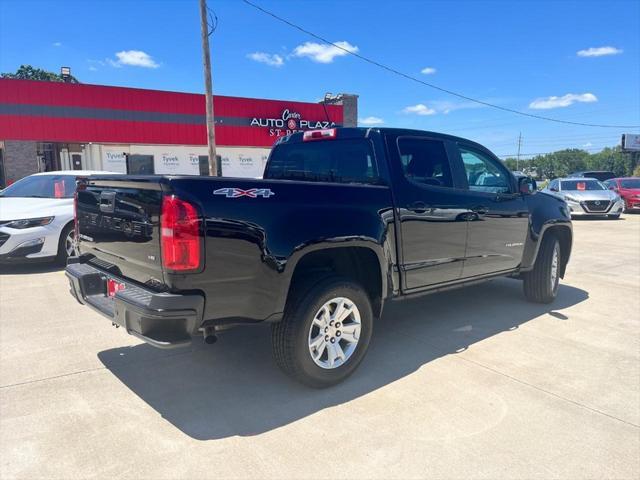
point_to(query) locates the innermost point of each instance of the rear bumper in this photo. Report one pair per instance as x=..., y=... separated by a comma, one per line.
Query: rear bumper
x=164, y=320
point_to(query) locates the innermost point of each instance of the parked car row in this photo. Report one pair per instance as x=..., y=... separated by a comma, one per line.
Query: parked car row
x=586, y=197
x=599, y=195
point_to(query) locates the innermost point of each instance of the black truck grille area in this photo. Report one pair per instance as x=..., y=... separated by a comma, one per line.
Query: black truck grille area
x=597, y=205
x=3, y=238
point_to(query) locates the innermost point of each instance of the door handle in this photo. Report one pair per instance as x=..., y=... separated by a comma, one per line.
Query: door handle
x=417, y=207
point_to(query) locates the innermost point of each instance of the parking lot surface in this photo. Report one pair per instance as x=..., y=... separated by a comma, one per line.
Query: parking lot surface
x=471, y=383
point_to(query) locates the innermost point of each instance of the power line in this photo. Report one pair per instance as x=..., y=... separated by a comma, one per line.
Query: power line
x=430, y=85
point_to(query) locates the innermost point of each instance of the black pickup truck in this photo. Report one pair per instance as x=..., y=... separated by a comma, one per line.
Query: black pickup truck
x=343, y=221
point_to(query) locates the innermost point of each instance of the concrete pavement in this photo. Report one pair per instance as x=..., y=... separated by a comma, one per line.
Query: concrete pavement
x=472, y=383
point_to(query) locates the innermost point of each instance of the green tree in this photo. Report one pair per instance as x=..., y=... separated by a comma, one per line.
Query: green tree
x=612, y=159
x=27, y=72
x=564, y=162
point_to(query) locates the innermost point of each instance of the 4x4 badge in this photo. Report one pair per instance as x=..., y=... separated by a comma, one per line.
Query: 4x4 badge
x=235, y=192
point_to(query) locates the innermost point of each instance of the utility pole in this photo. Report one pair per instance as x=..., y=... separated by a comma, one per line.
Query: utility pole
x=208, y=87
x=518, y=157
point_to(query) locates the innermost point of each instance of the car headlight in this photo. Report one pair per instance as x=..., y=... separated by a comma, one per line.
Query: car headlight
x=571, y=199
x=29, y=222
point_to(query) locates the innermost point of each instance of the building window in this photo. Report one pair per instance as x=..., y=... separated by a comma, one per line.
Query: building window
x=140, y=165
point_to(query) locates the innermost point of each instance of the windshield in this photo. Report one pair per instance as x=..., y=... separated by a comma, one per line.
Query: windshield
x=42, y=186
x=630, y=183
x=581, y=185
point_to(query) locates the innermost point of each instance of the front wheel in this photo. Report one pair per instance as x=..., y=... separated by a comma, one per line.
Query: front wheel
x=325, y=333
x=541, y=283
x=66, y=244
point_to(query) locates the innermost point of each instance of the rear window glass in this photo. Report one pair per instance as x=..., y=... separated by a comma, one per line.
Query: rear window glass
x=340, y=161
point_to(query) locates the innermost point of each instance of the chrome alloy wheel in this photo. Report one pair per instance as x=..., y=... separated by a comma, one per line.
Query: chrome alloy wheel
x=553, y=278
x=70, y=243
x=334, y=333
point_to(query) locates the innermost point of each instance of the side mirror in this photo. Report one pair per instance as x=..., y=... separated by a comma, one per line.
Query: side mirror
x=527, y=185
x=553, y=189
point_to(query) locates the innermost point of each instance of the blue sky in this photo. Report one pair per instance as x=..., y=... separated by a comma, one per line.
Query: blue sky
x=520, y=55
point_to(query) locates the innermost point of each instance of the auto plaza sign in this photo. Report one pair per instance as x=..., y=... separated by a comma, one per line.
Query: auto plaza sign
x=290, y=122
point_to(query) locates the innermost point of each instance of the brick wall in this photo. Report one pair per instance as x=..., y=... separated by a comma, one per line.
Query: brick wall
x=350, y=110
x=20, y=159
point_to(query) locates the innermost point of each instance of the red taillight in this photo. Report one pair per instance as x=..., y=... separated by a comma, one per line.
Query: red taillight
x=326, y=134
x=180, y=234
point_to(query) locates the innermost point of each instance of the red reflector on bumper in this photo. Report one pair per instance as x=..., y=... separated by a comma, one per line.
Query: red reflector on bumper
x=114, y=287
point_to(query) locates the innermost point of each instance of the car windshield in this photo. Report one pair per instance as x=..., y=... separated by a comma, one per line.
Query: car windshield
x=630, y=183
x=42, y=186
x=581, y=185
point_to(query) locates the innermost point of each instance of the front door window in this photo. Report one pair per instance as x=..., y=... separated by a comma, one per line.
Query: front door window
x=483, y=175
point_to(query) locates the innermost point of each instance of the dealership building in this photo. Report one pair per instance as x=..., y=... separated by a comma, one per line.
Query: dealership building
x=47, y=126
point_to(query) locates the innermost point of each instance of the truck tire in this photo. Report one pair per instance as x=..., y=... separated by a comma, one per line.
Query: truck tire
x=324, y=333
x=541, y=283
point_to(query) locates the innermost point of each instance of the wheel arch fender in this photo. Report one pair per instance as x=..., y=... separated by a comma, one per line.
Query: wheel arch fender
x=350, y=257
x=559, y=228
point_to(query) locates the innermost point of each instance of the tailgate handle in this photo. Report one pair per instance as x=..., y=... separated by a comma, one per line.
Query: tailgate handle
x=107, y=202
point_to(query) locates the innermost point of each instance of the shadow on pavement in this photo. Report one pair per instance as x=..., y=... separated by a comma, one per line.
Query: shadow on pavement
x=29, y=268
x=234, y=387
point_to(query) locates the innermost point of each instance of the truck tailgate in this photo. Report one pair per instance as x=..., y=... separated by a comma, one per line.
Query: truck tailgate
x=119, y=226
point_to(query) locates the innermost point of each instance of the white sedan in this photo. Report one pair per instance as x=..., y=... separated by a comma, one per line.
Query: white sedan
x=36, y=217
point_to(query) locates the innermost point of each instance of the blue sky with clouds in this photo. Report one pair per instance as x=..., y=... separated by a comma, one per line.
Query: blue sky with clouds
x=576, y=61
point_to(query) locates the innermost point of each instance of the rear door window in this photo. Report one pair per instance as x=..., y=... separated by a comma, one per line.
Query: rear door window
x=424, y=161
x=340, y=161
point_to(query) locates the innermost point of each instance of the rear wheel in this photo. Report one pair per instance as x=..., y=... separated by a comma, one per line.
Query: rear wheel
x=325, y=333
x=66, y=244
x=541, y=283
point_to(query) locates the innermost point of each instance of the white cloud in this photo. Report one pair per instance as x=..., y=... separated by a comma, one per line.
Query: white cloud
x=133, y=58
x=419, y=109
x=93, y=69
x=273, y=60
x=546, y=103
x=599, y=51
x=588, y=144
x=371, y=121
x=428, y=71
x=322, y=53
x=57, y=44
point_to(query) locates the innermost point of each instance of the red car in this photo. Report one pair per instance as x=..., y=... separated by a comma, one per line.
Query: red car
x=629, y=189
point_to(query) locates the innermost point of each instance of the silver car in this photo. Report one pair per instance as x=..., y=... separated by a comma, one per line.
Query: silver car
x=586, y=197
